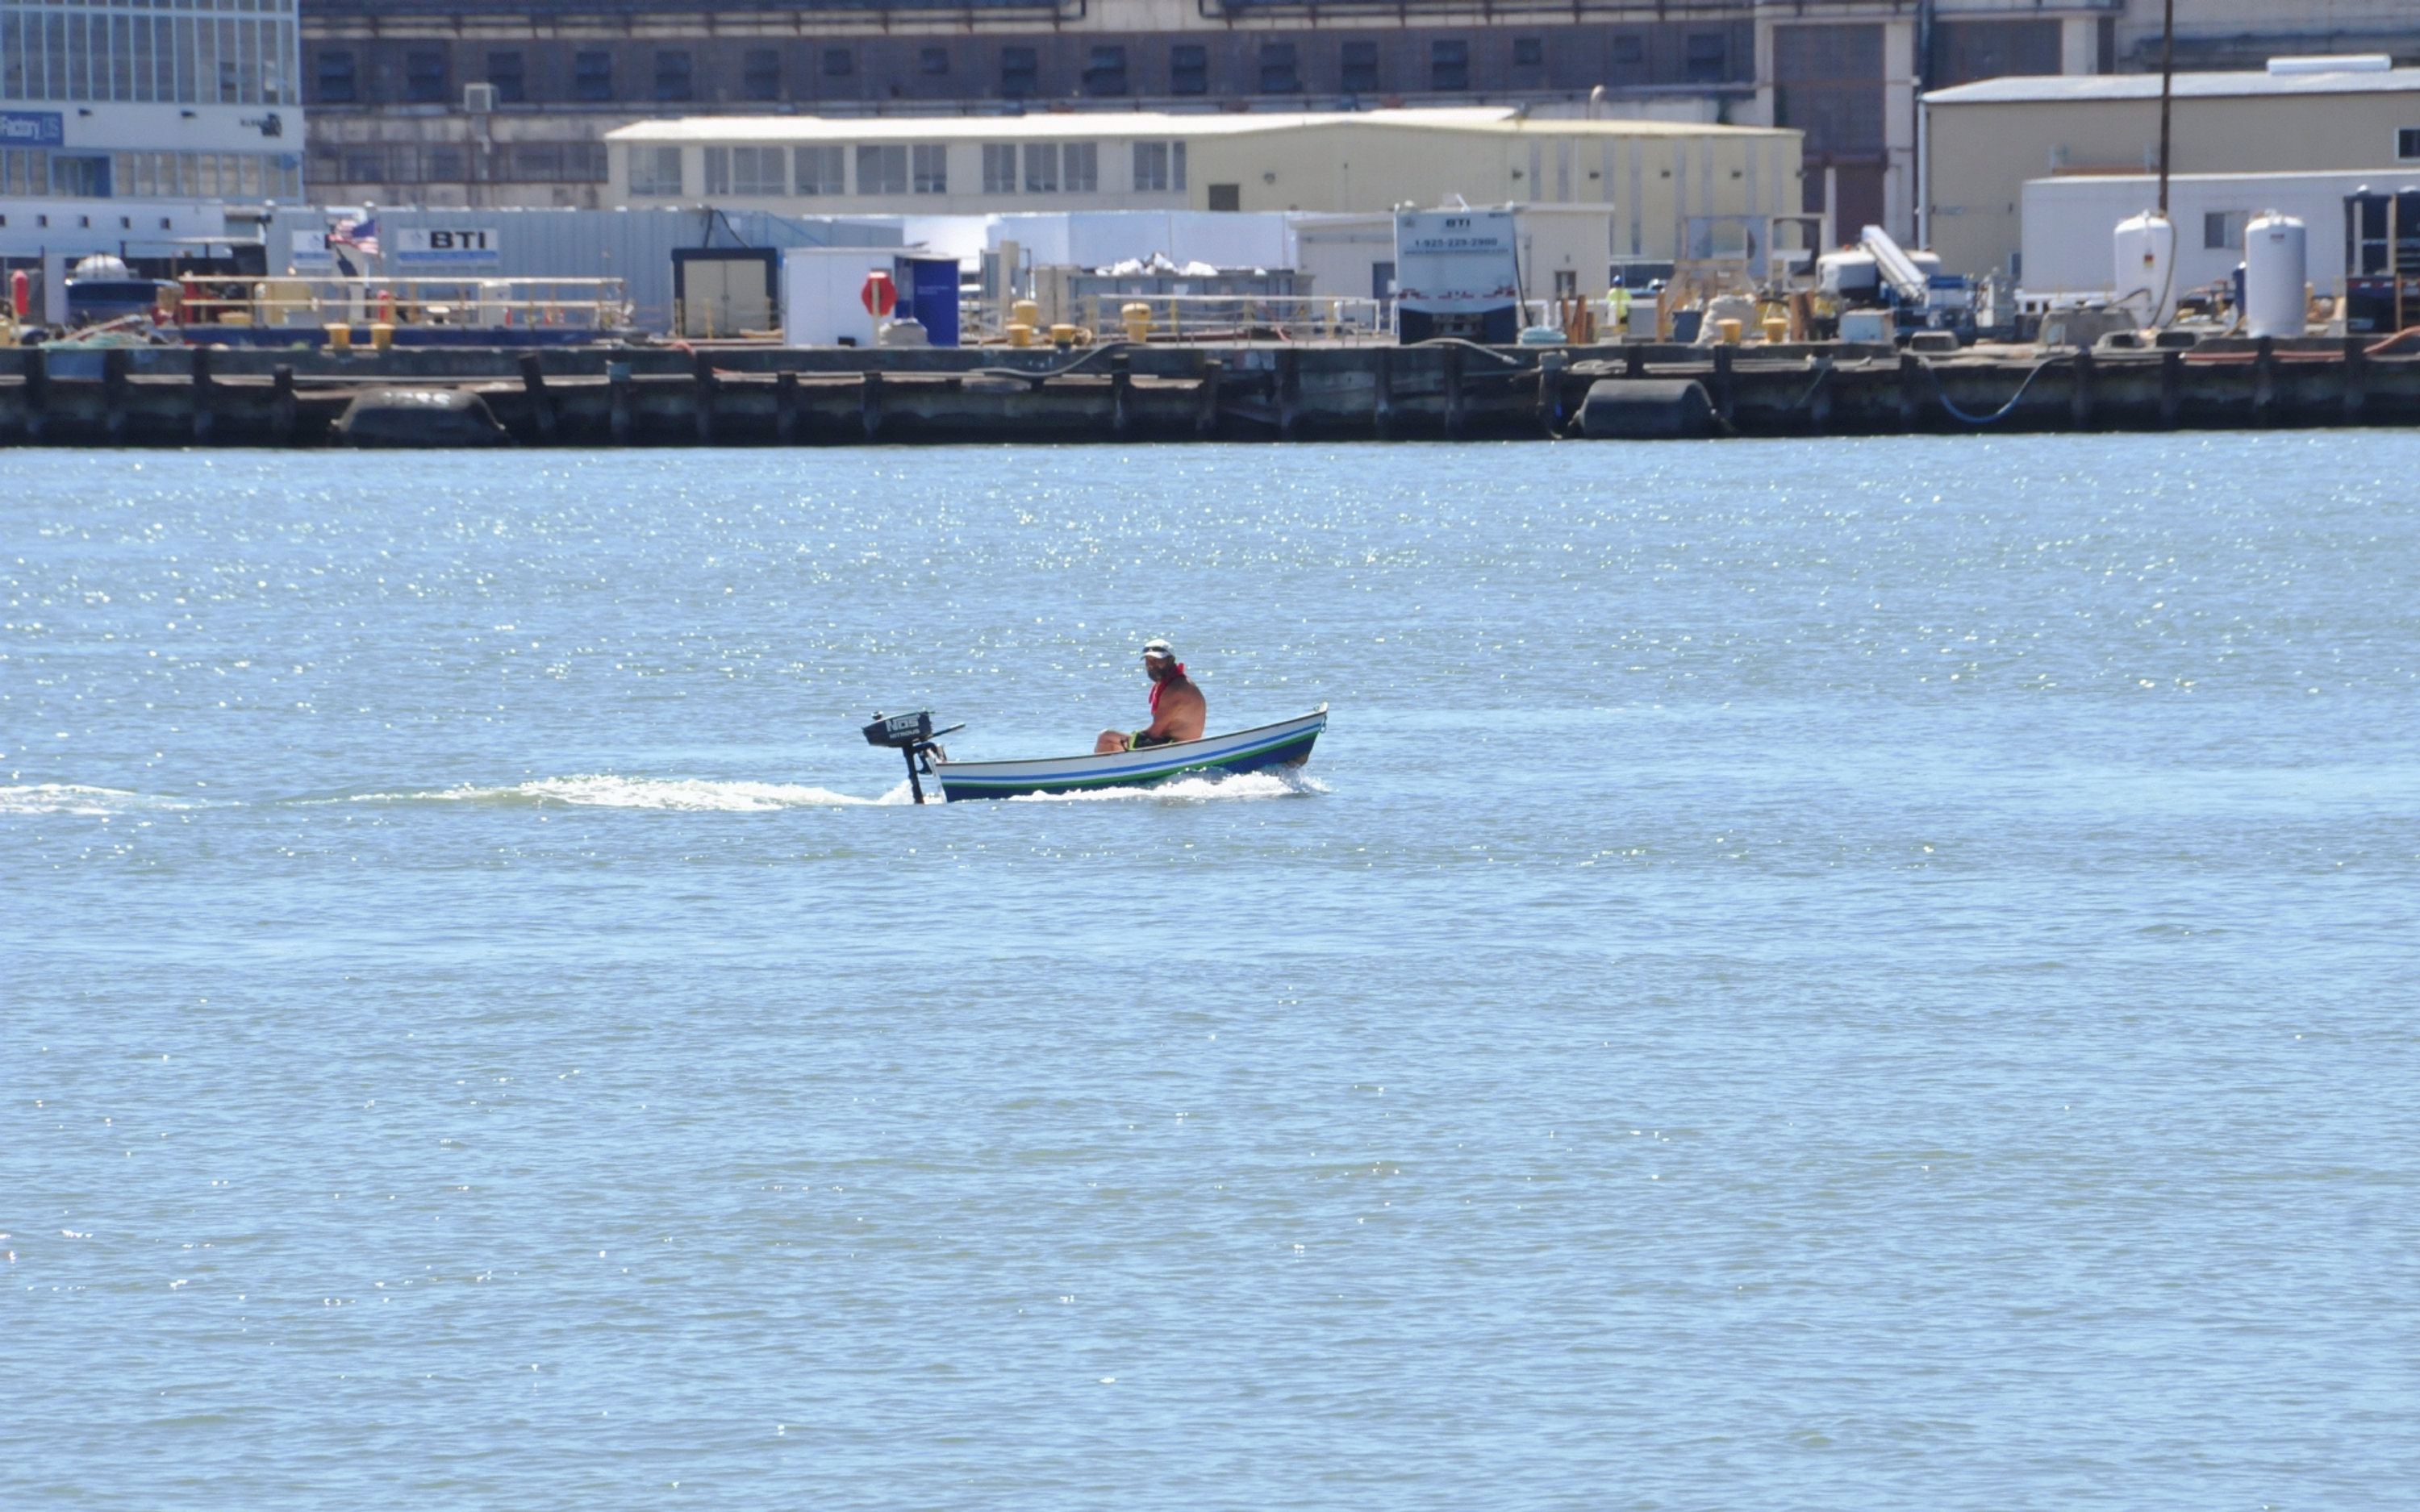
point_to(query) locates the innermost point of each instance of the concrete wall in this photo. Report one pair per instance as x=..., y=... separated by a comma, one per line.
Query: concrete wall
x=1982, y=154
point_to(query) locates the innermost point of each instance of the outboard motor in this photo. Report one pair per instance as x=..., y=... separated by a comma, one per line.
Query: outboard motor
x=914, y=736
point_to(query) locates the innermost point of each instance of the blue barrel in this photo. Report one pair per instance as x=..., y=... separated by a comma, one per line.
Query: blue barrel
x=928, y=294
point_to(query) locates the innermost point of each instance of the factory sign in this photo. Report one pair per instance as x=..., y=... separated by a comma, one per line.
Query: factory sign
x=420, y=246
x=33, y=128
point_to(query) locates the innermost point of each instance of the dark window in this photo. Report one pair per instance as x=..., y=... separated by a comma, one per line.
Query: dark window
x=934, y=61
x=760, y=77
x=1705, y=57
x=1450, y=64
x=2223, y=230
x=1828, y=83
x=2105, y=60
x=505, y=71
x=592, y=75
x=365, y=164
x=1227, y=196
x=423, y=78
x=1105, y=71
x=839, y=62
x=1360, y=72
x=1278, y=75
x=337, y=80
x=536, y=163
x=444, y=163
x=1528, y=52
x=1188, y=70
x=1629, y=48
x=2407, y=142
x=1020, y=72
x=1965, y=51
x=672, y=74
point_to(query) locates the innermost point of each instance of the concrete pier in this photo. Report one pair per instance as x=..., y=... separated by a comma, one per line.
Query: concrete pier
x=831, y=397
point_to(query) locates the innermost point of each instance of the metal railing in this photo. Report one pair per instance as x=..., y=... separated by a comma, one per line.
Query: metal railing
x=300, y=302
x=1100, y=317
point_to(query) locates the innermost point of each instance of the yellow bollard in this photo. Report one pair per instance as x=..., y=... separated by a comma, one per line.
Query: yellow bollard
x=1138, y=322
x=1777, y=330
x=1019, y=333
x=1063, y=334
x=340, y=340
x=1026, y=312
x=1731, y=332
x=381, y=336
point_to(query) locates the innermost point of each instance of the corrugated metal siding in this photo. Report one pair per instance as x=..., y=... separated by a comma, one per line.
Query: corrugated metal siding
x=635, y=246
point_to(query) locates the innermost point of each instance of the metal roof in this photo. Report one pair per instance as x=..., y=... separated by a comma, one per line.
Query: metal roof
x=1122, y=125
x=2079, y=88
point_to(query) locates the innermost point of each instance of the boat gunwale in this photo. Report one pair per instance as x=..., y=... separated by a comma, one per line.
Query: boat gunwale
x=1165, y=763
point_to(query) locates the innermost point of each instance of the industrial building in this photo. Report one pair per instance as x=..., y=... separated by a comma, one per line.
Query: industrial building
x=1985, y=141
x=2068, y=223
x=441, y=102
x=1655, y=174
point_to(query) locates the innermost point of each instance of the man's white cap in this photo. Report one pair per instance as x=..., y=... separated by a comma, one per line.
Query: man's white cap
x=1160, y=649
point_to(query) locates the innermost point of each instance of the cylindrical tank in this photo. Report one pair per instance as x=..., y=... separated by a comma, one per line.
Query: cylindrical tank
x=2275, y=263
x=2145, y=248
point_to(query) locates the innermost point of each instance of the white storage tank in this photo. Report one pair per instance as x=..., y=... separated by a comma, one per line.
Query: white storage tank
x=2275, y=275
x=2145, y=248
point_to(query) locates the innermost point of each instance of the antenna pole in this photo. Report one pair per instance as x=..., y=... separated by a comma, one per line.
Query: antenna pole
x=2167, y=85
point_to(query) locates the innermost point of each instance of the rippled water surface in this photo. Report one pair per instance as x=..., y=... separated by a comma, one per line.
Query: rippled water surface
x=1838, y=974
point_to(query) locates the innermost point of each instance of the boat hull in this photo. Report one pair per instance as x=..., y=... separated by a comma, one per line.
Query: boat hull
x=1287, y=743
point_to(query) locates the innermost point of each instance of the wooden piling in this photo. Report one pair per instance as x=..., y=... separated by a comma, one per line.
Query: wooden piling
x=617, y=388
x=281, y=403
x=869, y=404
x=541, y=403
x=2267, y=405
x=2079, y=392
x=1724, y=388
x=702, y=395
x=38, y=394
x=1120, y=394
x=114, y=362
x=204, y=398
x=786, y=406
x=1289, y=396
x=1205, y=419
x=1910, y=390
x=1634, y=360
x=2172, y=387
x=1382, y=404
x=2356, y=378
x=1450, y=359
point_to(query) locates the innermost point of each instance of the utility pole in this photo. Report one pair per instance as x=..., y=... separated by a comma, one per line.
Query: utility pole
x=2167, y=85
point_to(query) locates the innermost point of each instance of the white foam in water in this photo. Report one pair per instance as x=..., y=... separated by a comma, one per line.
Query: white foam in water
x=73, y=798
x=1262, y=784
x=684, y=794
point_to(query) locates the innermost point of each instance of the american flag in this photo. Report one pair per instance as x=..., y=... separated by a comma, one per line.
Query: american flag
x=359, y=234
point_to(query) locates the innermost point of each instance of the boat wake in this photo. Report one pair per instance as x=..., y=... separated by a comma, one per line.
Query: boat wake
x=1207, y=788
x=671, y=794
x=74, y=799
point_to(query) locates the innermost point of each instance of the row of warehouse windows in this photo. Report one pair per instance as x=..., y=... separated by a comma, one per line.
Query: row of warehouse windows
x=1008, y=168
x=454, y=163
x=674, y=77
x=68, y=55
x=251, y=175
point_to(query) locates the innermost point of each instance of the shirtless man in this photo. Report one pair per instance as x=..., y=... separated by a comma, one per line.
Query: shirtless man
x=1177, y=708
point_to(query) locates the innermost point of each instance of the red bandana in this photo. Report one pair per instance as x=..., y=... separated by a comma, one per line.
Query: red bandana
x=1175, y=670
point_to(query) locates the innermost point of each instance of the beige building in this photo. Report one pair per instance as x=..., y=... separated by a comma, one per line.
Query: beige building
x=1654, y=174
x=1986, y=140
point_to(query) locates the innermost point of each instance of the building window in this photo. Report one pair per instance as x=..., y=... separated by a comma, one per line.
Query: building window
x=743, y=170
x=338, y=84
x=1105, y=71
x=934, y=61
x=1629, y=49
x=592, y=76
x=1227, y=197
x=2223, y=230
x=1450, y=64
x=1188, y=70
x=1000, y=168
x=1706, y=57
x=932, y=169
x=1042, y=167
x=1151, y=167
x=1528, y=52
x=1278, y=75
x=839, y=62
x=760, y=75
x=1020, y=72
x=822, y=170
x=1080, y=167
x=1361, y=74
x=882, y=170
x=655, y=170
x=2407, y=143
x=1965, y=51
x=672, y=74
x=506, y=74
x=423, y=77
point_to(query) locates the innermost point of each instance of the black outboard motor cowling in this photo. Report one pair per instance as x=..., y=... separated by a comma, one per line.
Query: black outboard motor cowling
x=914, y=736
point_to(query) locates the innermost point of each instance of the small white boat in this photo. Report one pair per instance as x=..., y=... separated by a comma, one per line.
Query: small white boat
x=1286, y=744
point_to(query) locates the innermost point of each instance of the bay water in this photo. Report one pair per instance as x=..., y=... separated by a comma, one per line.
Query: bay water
x=1804, y=974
